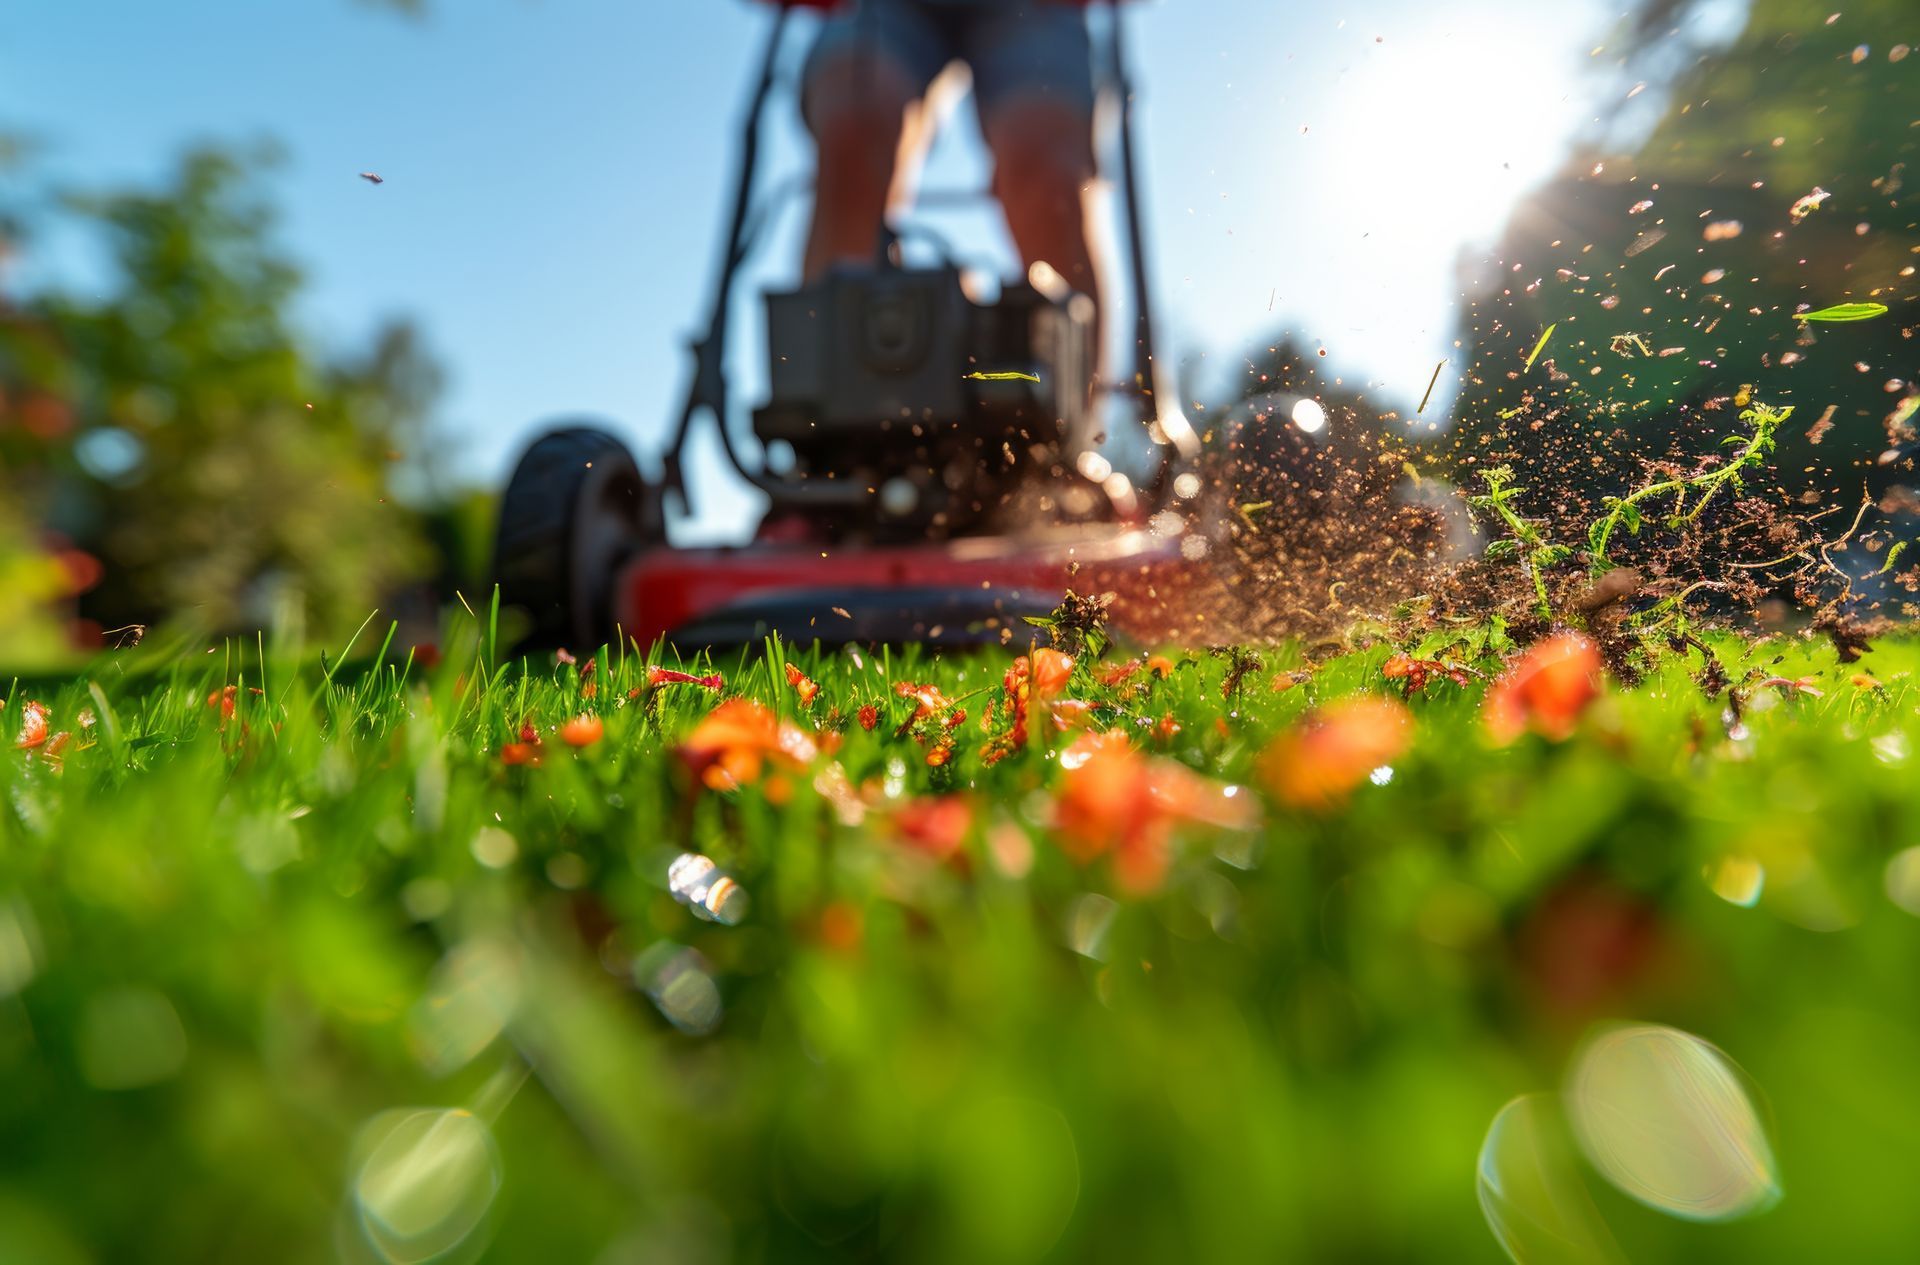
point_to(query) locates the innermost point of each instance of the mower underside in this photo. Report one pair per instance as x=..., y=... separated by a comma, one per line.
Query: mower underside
x=582, y=552
x=970, y=590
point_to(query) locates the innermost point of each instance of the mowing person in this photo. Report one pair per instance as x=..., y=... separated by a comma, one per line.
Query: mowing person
x=866, y=100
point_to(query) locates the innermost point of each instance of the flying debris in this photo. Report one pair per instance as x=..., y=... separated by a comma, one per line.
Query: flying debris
x=1430, y=385
x=1841, y=312
x=1535, y=354
x=1803, y=207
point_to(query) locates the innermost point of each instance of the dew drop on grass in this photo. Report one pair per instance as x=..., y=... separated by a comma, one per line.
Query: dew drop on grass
x=1662, y=1115
x=424, y=1182
x=709, y=891
x=1531, y=1193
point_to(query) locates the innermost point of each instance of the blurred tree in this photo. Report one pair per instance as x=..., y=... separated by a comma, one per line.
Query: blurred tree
x=1673, y=253
x=173, y=424
x=31, y=584
x=32, y=581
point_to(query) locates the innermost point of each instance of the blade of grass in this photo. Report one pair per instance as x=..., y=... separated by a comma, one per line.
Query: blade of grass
x=1535, y=353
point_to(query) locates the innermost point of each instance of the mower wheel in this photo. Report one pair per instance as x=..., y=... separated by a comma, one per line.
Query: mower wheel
x=576, y=508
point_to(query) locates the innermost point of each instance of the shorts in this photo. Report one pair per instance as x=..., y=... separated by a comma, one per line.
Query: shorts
x=1015, y=48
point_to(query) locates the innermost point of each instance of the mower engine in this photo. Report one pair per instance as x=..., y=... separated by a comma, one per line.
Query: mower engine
x=901, y=409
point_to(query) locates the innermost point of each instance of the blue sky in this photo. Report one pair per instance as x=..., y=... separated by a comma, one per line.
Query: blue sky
x=555, y=169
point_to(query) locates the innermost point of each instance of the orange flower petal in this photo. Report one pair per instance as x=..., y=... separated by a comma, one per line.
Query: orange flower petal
x=935, y=824
x=656, y=677
x=1051, y=671
x=1546, y=692
x=803, y=685
x=842, y=927
x=1319, y=761
x=1114, y=799
x=33, y=725
x=931, y=701
x=732, y=741
x=582, y=731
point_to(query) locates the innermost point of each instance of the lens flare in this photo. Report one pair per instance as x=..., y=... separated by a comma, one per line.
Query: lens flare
x=1662, y=1115
x=1088, y=922
x=1902, y=880
x=1531, y=1193
x=474, y=993
x=426, y=1182
x=19, y=945
x=680, y=984
x=1738, y=880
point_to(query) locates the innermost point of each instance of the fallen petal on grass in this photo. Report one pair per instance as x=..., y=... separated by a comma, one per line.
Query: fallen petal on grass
x=1546, y=692
x=1319, y=762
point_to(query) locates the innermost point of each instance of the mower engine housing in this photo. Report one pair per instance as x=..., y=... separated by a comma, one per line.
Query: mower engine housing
x=890, y=437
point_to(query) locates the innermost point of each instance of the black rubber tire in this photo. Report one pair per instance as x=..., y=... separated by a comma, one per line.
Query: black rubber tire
x=576, y=508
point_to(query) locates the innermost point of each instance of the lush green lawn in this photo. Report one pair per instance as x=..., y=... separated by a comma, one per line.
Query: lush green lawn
x=330, y=976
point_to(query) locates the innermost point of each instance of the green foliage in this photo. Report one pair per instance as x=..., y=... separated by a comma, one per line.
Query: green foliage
x=1525, y=542
x=217, y=467
x=1078, y=626
x=31, y=584
x=1624, y=511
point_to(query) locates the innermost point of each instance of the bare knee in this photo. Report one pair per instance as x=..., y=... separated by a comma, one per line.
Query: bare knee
x=1043, y=161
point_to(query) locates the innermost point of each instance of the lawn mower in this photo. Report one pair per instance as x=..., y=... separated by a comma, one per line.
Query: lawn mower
x=924, y=454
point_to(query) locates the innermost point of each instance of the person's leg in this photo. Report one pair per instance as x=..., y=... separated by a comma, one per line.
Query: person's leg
x=863, y=82
x=1033, y=80
x=1042, y=185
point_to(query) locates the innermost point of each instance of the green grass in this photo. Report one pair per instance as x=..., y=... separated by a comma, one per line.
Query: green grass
x=229, y=954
